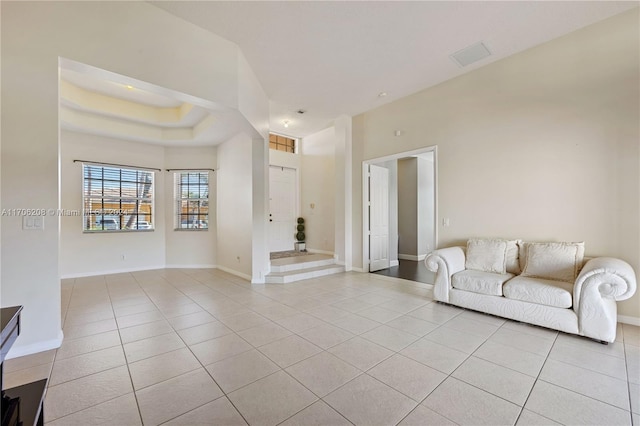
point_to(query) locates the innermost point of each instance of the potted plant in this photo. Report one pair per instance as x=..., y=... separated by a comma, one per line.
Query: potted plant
x=300, y=244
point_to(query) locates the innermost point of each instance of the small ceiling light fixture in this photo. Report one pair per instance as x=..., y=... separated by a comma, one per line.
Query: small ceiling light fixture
x=130, y=87
x=286, y=123
x=382, y=94
x=301, y=111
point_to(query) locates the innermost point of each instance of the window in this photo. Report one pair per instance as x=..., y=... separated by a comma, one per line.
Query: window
x=192, y=200
x=116, y=199
x=282, y=143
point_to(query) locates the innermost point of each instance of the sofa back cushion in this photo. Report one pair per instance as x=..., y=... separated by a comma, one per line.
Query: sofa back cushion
x=513, y=257
x=553, y=261
x=486, y=255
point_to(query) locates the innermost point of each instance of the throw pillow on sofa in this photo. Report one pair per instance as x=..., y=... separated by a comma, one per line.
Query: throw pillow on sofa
x=486, y=255
x=553, y=261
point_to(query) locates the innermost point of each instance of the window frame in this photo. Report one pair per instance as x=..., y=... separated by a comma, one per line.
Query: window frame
x=277, y=143
x=178, y=199
x=88, y=213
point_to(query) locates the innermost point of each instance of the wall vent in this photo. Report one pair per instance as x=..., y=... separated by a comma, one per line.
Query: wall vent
x=470, y=54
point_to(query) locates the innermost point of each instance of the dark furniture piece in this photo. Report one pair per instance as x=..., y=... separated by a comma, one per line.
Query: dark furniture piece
x=21, y=405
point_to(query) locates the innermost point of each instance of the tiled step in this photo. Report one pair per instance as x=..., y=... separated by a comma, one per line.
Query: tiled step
x=303, y=274
x=313, y=261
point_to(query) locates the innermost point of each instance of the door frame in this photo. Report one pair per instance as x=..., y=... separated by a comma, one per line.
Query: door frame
x=365, y=196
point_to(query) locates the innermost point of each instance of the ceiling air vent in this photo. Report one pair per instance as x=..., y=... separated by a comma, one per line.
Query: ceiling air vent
x=470, y=54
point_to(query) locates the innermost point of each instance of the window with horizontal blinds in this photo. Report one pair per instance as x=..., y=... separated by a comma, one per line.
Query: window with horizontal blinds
x=117, y=199
x=192, y=200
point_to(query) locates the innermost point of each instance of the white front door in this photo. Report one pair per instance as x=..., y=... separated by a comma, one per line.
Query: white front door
x=378, y=218
x=282, y=208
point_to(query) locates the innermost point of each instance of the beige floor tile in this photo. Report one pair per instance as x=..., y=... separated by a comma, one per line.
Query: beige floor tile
x=191, y=320
x=564, y=406
x=171, y=398
x=403, y=305
x=244, y=321
x=366, y=401
x=220, y=348
x=434, y=355
x=84, y=318
x=264, y=334
x=83, y=345
x=144, y=331
x=141, y=349
x=605, y=364
x=272, y=399
x=471, y=326
x=376, y=313
x=529, y=418
x=326, y=336
x=29, y=361
x=361, y=353
x=454, y=339
x=289, y=350
x=156, y=369
x=482, y=317
x=586, y=382
x=409, y=377
x=189, y=308
x=631, y=334
x=219, y=412
x=121, y=411
x=323, y=373
x=137, y=319
x=634, y=395
x=356, y=324
x=71, y=397
x=510, y=357
x=83, y=365
x=240, y=370
x=435, y=313
x=26, y=375
x=522, y=340
x=204, y=332
x=413, y=325
x=632, y=357
x=530, y=329
x=615, y=349
x=390, y=338
x=317, y=414
x=352, y=305
x=276, y=311
x=299, y=322
x=81, y=330
x=468, y=405
x=424, y=416
x=500, y=381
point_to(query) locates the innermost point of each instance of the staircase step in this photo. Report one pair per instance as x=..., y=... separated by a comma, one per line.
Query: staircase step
x=303, y=262
x=302, y=274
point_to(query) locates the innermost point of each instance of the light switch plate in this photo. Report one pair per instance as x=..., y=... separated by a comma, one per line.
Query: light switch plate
x=32, y=223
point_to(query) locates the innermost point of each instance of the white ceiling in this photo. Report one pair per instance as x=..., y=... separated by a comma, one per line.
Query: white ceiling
x=333, y=57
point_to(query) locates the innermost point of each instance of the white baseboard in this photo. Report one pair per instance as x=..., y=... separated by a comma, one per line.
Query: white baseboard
x=201, y=266
x=353, y=268
x=629, y=320
x=113, y=271
x=412, y=257
x=22, y=350
x=234, y=272
x=393, y=263
x=316, y=251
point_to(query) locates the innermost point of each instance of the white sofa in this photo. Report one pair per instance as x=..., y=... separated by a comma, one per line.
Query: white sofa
x=540, y=284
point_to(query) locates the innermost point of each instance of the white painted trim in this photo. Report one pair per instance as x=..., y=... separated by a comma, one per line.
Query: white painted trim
x=625, y=319
x=412, y=257
x=116, y=271
x=22, y=350
x=340, y=262
x=393, y=263
x=329, y=253
x=201, y=266
x=234, y=272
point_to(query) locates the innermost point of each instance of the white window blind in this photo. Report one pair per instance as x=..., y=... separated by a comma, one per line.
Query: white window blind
x=192, y=200
x=117, y=199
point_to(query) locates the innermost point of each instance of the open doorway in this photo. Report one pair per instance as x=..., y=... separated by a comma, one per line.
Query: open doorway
x=400, y=214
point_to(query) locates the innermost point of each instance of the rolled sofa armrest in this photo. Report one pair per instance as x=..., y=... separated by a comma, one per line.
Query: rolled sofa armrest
x=445, y=262
x=602, y=282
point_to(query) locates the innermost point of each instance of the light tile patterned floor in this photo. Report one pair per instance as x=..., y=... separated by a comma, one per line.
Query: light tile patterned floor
x=204, y=347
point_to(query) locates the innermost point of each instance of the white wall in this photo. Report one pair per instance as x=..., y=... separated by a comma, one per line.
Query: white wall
x=190, y=248
x=317, y=181
x=149, y=45
x=284, y=159
x=541, y=146
x=234, y=209
x=426, y=204
x=84, y=254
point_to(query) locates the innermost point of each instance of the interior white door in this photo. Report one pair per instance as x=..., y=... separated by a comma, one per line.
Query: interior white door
x=378, y=218
x=282, y=208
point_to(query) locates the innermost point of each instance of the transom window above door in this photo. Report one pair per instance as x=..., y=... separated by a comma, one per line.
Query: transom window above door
x=282, y=143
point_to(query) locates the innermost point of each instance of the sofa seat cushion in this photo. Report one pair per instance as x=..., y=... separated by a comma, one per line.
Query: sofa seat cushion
x=542, y=292
x=488, y=283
